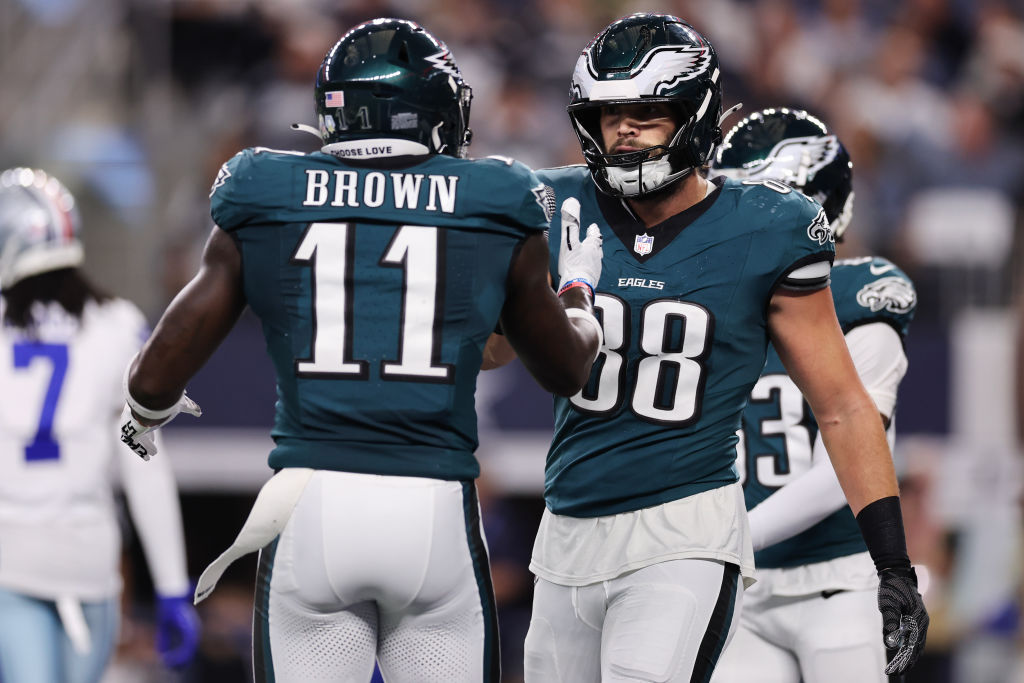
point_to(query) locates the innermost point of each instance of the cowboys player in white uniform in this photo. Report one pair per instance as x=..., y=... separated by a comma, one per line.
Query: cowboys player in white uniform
x=812, y=614
x=63, y=351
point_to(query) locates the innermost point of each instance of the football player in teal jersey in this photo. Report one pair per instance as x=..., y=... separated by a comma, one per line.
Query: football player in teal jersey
x=643, y=548
x=378, y=267
x=811, y=616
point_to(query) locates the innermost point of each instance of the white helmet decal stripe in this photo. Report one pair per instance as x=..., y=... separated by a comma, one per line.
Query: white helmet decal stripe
x=703, y=106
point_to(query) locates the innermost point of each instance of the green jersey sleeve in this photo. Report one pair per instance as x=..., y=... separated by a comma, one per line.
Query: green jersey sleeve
x=249, y=185
x=796, y=237
x=873, y=289
x=503, y=187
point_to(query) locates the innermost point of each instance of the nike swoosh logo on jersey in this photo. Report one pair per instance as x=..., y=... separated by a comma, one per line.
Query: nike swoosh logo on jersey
x=878, y=270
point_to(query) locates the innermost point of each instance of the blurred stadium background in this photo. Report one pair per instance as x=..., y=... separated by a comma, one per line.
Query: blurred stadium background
x=136, y=103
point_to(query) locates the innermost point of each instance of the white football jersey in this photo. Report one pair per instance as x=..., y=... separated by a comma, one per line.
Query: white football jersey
x=60, y=396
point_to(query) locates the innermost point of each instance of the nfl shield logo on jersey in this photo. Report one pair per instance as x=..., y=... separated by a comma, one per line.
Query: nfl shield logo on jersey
x=643, y=244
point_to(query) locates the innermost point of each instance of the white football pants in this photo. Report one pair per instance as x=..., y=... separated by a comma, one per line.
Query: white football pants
x=666, y=622
x=811, y=638
x=369, y=566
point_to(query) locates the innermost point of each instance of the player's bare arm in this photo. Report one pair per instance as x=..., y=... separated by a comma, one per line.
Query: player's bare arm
x=811, y=346
x=810, y=343
x=557, y=350
x=809, y=498
x=497, y=351
x=193, y=326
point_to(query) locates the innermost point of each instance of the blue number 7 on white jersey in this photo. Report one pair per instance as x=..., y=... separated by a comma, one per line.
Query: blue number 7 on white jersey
x=43, y=446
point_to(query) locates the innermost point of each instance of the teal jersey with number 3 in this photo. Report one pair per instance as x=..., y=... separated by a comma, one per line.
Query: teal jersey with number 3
x=779, y=429
x=377, y=286
x=683, y=305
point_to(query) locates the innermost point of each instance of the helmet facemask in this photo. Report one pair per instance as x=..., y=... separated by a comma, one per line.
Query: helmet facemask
x=645, y=171
x=645, y=59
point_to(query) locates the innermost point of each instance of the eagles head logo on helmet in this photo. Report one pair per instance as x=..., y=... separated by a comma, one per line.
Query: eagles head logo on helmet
x=795, y=148
x=389, y=81
x=647, y=59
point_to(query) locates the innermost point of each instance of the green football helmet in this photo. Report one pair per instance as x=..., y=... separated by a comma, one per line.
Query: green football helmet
x=792, y=147
x=647, y=58
x=390, y=80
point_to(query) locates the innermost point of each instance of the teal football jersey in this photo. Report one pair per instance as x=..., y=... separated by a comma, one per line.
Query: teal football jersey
x=779, y=429
x=377, y=285
x=683, y=306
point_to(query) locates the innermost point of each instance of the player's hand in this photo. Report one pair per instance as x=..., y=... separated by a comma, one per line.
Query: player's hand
x=578, y=260
x=177, y=630
x=137, y=434
x=904, y=618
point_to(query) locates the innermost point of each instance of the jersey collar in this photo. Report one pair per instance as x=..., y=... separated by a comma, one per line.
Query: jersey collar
x=628, y=228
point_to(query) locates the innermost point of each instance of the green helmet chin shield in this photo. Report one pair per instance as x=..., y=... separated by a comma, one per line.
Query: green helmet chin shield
x=792, y=147
x=647, y=58
x=390, y=78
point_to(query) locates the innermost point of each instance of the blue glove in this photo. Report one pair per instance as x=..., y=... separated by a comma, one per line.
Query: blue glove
x=177, y=630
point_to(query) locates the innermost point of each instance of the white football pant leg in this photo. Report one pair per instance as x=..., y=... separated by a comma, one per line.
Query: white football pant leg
x=749, y=658
x=373, y=566
x=839, y=639
x=809, y=638
x=564, y=644
x=664, y=623
x=448, y=631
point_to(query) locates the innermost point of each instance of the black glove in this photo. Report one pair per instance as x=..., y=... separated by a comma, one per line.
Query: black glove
x=904, y=619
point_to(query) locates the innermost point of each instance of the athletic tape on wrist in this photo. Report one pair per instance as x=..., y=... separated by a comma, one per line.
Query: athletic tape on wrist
x=580, y=314
x=138, y=408
x=881, y=526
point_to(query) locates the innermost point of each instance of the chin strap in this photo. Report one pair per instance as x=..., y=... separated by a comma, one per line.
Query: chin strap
x=307, y=129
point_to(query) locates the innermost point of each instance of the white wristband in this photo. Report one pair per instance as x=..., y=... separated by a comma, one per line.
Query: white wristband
x=138, y=408
x=580, y=314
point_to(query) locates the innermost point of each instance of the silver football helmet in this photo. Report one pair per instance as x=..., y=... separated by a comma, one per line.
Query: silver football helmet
x=39, y=226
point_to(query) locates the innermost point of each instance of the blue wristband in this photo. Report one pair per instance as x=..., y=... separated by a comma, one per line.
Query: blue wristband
x=578, y=282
